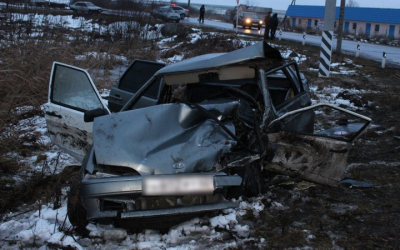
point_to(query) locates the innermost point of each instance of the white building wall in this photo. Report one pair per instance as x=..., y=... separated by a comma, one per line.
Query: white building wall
x=361, y=27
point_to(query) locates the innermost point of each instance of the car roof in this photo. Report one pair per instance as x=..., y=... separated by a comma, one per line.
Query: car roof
x=218, y=60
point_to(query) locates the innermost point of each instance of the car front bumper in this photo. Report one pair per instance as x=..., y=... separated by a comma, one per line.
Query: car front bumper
x=128, y=192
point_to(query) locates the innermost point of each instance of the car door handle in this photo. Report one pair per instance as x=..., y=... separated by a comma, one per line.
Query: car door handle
x=116, y=97
x=53, y=114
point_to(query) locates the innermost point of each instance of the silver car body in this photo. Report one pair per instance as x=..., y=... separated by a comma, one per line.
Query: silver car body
x=166, y=13
x=181, y=11
x=177, y=157
x=86, y=7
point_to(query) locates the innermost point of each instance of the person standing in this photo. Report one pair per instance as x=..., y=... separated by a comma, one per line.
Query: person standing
x=273, y=23
x=202, y=11
x=267, y=25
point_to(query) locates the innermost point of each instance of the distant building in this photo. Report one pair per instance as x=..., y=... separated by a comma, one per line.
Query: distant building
x=358, y=21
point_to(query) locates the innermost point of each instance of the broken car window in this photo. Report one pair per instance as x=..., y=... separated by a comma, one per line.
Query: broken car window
x=283, y=86
x=326, y=121
x=137, y=75
x=72, y=88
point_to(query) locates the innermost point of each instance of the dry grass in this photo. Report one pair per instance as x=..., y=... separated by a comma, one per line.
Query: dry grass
x=25, y=70
x=25, y=67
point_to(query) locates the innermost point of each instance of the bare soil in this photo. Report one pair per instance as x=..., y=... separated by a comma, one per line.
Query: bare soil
x=318, y=217
x=344, y=216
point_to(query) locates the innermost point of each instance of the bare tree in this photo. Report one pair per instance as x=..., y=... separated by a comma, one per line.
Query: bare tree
x=352, y=3
x=340, y=28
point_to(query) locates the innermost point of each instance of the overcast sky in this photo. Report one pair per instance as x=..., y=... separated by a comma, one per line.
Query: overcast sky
x=283, y=4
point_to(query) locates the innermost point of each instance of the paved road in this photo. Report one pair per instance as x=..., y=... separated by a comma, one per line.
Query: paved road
x=367, y=50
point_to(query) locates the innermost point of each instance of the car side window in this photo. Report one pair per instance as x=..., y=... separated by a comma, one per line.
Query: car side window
x=72, y=88
x=137, y=75
x=282, y=86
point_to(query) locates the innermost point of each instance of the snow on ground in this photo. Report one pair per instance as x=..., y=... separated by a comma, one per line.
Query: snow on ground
x=47, y=226
x=40, y=228
x=34, y=129
x=88, y=25
x=330, y=94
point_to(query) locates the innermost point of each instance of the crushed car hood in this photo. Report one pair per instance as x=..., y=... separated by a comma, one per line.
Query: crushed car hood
x=164, y=139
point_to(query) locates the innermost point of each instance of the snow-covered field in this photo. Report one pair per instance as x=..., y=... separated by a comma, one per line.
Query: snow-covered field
x=42, y=227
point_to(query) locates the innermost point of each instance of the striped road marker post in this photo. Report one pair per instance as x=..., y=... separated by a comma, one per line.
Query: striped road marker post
x=326, y=54
x=327, y=38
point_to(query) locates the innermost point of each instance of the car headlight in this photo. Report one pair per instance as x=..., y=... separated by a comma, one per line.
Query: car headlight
x=248, y=20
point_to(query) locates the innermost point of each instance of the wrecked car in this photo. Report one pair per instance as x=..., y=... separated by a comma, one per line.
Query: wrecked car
x=218, y=121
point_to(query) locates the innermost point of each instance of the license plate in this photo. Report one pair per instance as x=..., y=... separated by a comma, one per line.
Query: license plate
x=177, y=185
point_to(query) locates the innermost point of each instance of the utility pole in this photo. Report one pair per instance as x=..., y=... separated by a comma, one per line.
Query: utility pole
x=327, y=38
x=340, y=28
x=188, y=4
x=284, y=19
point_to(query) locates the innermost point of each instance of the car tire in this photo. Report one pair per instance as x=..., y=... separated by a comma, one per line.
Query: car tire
x=253, y=183
x=182, y=16
x=76, y=212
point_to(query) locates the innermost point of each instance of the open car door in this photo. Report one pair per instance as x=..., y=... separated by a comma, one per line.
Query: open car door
x=138, y=73
x=312, y=143
x=71, y=93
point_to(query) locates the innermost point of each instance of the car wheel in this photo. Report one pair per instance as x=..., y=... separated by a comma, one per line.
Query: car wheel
x=253, y=183
x=76, y=212
x=182, y=16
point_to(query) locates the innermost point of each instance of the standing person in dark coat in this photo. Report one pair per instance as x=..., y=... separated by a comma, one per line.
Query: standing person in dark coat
x=273, y=23
x=267, y=25
x=202, y=11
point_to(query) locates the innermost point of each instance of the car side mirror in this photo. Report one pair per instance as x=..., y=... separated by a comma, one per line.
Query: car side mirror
x=91, y=114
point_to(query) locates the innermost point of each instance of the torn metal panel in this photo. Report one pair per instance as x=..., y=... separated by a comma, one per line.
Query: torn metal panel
x=317, y=159
x=257, y=51
x=165, y=139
